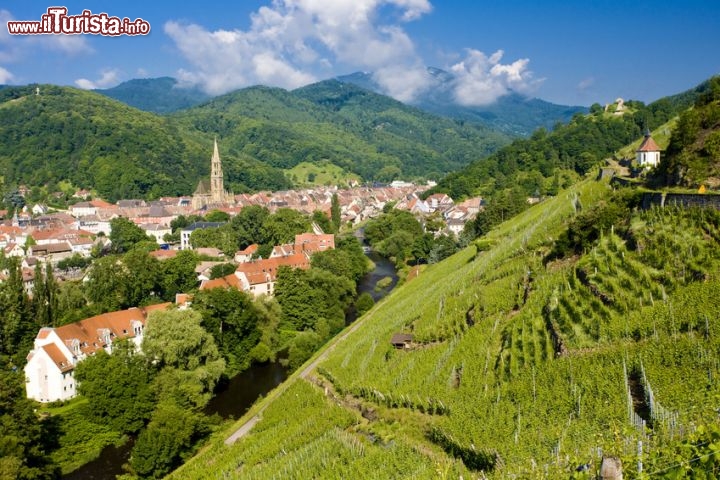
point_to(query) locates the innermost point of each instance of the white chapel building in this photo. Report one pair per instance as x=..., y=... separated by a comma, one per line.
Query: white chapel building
x=648, y=153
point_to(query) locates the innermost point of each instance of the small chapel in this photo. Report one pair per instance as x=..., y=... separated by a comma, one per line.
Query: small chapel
x=648, y=153
x=212, y=193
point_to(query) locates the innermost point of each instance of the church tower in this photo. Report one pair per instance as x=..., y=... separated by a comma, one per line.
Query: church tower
x=212, y=194
x=217, y=190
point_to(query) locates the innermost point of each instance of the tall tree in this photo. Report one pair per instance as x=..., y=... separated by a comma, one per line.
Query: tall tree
x=232, y=319
x=335, y=217
x=25, y=442
x=17, y=328
x=248, y=225
x=185, y=355
x=124, y=234
x=45, y=296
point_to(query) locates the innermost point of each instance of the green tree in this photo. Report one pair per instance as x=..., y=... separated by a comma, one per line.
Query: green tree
x=217, y=216
x=323, y=221
x=302, y=347
x=124, y=234
x=184, y=354
x=45, y=296
x=222, y=270
x=335, y=213
x=17, y=328
x=25, y=442
x=106, y=285
x=169, y=436
x=364, y=303
x=223, y=238
x=248, y=225
x=443, y=247
x=232, y=319
x=142, y=279
x=421, y=248
x=308, y=295
x=282, y=226
x=118, y=388
x=177, y=274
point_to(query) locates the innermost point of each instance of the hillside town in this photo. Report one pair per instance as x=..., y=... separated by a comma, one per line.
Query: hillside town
x=38, y=236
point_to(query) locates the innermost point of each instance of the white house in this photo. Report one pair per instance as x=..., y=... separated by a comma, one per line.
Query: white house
x=648, y=153
x=157, y=231
x=242, y=256
x=49, y=373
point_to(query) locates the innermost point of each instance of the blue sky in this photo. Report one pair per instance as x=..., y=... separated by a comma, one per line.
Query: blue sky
x=569, y=52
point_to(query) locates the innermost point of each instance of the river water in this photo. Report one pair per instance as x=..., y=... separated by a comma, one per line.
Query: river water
x=241, y=391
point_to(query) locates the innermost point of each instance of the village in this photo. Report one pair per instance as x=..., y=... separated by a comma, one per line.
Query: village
x=37, y=236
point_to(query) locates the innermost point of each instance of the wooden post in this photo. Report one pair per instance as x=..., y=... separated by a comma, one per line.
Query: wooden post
x=611, y=469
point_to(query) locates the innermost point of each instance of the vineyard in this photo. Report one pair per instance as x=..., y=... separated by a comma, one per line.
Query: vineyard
x=519, y=367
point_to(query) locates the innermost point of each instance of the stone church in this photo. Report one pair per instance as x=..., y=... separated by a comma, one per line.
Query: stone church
x=212, y=193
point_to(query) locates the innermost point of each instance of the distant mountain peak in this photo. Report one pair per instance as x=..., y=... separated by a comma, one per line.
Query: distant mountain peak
x=513, y=114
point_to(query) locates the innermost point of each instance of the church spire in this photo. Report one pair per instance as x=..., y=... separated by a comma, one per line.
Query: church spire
x=217, y=189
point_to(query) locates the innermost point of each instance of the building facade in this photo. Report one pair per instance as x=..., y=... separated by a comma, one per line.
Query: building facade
x=49, y=373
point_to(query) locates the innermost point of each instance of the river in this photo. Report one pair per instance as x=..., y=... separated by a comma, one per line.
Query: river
x=241, y=391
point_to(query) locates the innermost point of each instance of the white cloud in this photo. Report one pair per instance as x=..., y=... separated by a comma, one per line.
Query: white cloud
x=5, y=76
x=480, y=80
x=586, y=83
x=108, y=77
x=294, y=42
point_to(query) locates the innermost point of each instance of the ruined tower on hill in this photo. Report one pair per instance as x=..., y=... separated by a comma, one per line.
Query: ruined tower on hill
x=213, y=193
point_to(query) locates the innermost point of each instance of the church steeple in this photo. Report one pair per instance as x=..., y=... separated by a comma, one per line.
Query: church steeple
x=217, y=189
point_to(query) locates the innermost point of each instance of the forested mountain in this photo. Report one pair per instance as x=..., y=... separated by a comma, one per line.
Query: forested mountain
x=365, y=133
x=158, y=95
x=540, y=162
x=96, y=142
x=512, y=114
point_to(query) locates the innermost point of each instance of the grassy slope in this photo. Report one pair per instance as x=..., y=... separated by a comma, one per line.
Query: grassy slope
x=325, y=174
x=495, y=392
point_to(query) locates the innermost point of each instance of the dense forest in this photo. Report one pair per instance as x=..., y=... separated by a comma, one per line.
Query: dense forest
x=365, y=133
x=64, y=134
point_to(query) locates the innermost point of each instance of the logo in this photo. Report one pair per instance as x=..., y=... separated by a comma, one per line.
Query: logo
x=57, y=22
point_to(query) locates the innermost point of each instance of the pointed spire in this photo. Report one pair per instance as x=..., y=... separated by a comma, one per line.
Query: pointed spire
x=216, y=154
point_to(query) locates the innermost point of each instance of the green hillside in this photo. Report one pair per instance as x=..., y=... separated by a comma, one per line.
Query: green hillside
x=528, y=360
x=101, y=144
x=367, y=134
x=542, y=160
x=693, y=156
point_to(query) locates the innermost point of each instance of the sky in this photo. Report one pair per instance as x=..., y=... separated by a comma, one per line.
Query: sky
x=571, y=52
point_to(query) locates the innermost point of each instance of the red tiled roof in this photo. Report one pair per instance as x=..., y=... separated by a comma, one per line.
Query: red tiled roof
x=87, y=331
x=53, y=351
x=648, y=145
x=249, y=250
x=227, y=281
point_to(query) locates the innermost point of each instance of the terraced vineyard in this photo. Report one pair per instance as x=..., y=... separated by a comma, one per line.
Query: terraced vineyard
x=518, y=367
